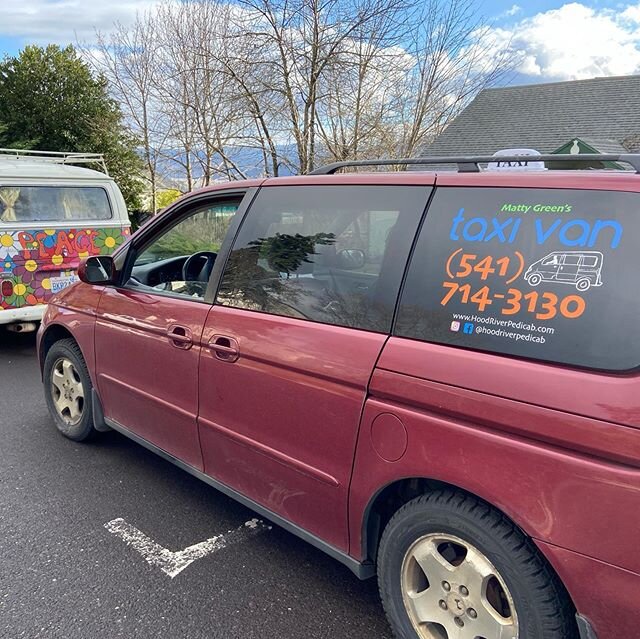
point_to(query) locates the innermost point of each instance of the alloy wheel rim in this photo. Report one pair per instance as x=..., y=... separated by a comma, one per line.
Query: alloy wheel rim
x=452, y=591
x=67, y=391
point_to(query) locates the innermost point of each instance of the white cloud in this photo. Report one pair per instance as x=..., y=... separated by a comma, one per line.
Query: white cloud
x=631, y=14
x=575, y=42
x=515, y=9
x=65, y=21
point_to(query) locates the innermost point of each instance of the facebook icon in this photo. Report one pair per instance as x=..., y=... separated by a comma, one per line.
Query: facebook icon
x=468, y=328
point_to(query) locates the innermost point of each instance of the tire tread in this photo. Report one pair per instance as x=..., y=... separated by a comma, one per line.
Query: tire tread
x=70, y=345
x=555, y=610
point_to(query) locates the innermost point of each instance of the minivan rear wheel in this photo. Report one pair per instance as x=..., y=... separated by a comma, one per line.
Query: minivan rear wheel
x=450, y=566
x=67, y=388
x=584, y=284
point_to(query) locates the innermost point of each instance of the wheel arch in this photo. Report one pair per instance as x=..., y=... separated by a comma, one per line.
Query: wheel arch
x=52, y=334
x=385, y=502
x=389, y=498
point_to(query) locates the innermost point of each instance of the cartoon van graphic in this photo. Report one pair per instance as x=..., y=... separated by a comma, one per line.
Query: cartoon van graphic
x=581, y=268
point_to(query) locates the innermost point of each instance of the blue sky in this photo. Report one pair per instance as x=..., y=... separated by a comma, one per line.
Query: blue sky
x=510, y=11
x=553, y=40
x=15, y=33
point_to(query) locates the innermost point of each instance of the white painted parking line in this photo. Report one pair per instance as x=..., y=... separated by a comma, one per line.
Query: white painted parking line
x=173, y=563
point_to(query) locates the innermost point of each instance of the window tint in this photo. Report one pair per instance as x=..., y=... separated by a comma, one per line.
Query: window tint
x=547, y=274
x=53, y=203
x=331, y=254
x=179, y=261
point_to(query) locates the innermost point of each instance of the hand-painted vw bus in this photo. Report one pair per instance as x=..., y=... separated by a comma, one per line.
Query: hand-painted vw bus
x=52, y=214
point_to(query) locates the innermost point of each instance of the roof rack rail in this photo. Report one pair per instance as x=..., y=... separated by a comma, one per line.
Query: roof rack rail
x=471, y=164
x=55, y=157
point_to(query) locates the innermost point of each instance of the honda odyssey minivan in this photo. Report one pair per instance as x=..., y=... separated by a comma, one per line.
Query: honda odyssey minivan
x=380, y=349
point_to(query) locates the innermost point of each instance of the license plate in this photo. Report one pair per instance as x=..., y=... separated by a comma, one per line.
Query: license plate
x=58, y=283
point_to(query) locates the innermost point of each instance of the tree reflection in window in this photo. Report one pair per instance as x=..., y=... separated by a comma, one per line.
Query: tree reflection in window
x=286, y=253
x=259, y=276
x=266, y=276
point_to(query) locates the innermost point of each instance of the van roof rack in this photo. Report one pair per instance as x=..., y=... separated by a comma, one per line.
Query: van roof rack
x=55, y=157
x=471, y=163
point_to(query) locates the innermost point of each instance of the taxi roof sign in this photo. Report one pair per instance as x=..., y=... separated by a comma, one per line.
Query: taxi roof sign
x=471, y=163
x=519, y=165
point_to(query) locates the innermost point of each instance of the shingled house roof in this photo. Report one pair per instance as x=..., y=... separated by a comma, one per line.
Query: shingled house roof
x=604, y=112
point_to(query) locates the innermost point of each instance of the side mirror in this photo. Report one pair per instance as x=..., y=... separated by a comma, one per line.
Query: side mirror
x=350, y=259
x=98, y=269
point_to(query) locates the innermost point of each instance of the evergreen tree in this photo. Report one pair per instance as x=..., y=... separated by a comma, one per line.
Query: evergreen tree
x=50, y=101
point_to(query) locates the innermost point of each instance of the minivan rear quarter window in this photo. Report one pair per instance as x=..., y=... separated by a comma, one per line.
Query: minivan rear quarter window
x=546, y=274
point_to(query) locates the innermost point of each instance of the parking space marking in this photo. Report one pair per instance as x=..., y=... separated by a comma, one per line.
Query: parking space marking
x=173, y=563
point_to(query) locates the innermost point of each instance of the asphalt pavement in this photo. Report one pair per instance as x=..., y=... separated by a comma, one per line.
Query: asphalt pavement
x=63, y=574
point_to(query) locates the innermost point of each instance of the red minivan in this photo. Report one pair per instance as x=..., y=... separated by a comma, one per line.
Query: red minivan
x=365, y=360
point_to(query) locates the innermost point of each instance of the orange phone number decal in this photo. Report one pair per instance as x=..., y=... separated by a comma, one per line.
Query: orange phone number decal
x=544, y=306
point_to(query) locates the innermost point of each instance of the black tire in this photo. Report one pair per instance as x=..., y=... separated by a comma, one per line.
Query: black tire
x=82, y=429
x=542, y=607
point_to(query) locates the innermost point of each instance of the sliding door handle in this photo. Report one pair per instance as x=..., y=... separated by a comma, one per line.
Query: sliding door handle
x=225, y=348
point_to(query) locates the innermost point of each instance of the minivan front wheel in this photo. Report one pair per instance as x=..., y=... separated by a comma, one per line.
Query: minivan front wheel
x=67, y=388
x=451, y=567
x=534, y=279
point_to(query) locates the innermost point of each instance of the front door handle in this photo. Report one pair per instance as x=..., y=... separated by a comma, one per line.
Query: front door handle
x=226, y=349
x=180, y=336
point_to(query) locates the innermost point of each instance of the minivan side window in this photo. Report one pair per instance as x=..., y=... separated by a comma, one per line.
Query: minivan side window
x=330, y=254
x=178, y=261
x=53, y=204
x=546, y=274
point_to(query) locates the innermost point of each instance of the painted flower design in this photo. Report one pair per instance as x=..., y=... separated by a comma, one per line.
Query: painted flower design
x=9, y=245
x=108, y=239
x=57, y=259
x=50, y=238
x=22, y=295
x=7, y=265
x=26, y=271
x=41, y=288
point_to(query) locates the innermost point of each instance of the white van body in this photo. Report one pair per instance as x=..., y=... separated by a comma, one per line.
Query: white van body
x=582, y=269
x=52, y=214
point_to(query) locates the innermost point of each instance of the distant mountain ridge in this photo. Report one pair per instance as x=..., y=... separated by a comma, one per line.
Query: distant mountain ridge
x=249, y=160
